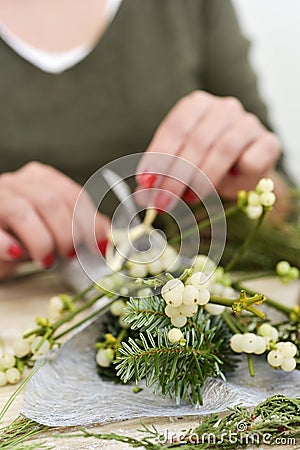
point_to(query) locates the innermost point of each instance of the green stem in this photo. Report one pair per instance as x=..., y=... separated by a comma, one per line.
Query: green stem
x=74, y=313
x=222, y=301
x=255, y=276
x=250, y=365
x=81, y=294
x=65, y=319
x=233, y=325
x=120, y=337
x=242, y=250
x=17, y=391
x=87, y=318
x=204, y=224
x=269, y=301
x=75, y=298
x=256, y=312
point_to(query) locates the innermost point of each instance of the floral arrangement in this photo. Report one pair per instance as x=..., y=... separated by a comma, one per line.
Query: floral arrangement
x=173, y=326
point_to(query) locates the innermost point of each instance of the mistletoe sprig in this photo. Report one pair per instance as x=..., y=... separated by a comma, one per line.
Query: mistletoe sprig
x=175, y=329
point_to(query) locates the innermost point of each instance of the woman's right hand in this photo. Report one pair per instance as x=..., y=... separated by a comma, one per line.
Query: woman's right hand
x=36, y=212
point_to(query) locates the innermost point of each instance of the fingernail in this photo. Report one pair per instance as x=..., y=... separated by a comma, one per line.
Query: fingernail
x=72, y=253
x=162, y=202
x=234, y=171
x=147, y=179
x=48, y=261
x=15, y=251
x=190, y=197
x=102, y=245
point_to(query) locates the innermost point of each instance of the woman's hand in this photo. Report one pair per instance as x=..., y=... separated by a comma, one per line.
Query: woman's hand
x=36, y=212
x=216, y=134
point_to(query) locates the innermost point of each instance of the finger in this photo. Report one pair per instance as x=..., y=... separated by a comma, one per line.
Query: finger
x=228, y=149
x=220, y=117
x=18, y=215
x=261, y=156
x=171, y=135
x=10, y=249
x=54, y=212
x=255, y=163
x=70, y=192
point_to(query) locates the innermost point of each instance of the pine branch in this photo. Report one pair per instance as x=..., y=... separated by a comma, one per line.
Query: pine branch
x=146, y=314
x=175, y=370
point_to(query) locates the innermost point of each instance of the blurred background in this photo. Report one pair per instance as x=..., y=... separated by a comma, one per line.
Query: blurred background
x=273, y=27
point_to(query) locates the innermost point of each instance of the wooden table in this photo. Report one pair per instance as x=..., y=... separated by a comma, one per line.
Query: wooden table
x=24, y=298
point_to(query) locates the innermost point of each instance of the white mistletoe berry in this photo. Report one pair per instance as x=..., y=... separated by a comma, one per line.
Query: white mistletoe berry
x=267, y=331
x=190, y=295
x=178, y=321
x=199, y=280
x=171, y=311
x=203, y=263
x=117, y=308
x=13, y=375
x=155, y=267
x=268, y=198
x=138, y=270
x=172, y=292
x=7, y=361
x=188, y=311
x=175, y=335
x=21, y=347
x=288, y=349
x=248, y=342
x=204, y=297
x=254, y=199
x=283, y=268
x=261, y=345
x=275, y=358
x=102, y=359
x=3, y=379
x=236, y=343
x=289, y=365
x=265, y=185
x=254, y=212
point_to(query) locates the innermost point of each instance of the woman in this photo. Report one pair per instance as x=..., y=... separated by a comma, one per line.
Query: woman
x=83, y=83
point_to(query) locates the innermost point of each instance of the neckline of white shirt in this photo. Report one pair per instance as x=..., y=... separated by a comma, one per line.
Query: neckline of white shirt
x=57, y=62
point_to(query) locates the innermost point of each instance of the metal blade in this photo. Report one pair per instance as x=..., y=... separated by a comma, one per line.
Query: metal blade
x=122, y=191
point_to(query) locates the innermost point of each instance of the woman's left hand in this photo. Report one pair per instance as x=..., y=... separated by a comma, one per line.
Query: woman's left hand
x=230, y=145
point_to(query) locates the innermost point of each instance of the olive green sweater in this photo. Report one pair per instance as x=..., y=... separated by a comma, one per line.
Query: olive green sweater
x=109, y=105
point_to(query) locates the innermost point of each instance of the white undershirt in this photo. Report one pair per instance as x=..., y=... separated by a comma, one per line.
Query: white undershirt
x=55, y=62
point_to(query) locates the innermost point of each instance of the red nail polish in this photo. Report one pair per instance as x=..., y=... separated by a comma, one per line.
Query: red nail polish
x=48, y=261
x=72, y=253
x=234, y=171
x=162, y=202
x=147, y=180
x=102, y=245
x=190, y=197
x=15, y=251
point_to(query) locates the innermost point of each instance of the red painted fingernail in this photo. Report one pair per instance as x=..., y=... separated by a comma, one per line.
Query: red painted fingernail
x=102, y=245
x=234, y=171
x=15, y=251
x=147, y=179
x=72, y=253
x=190, y=197
x=162, y=202
x=48, y=261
